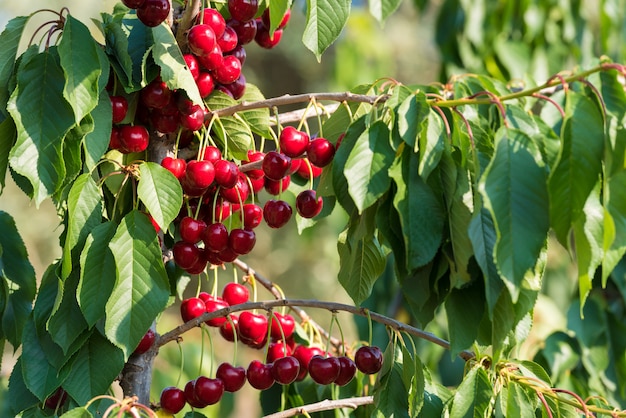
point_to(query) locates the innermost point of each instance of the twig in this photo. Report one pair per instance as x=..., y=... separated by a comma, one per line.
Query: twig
x=325, y=405
x=185, y=23
x=329, y=306
x=306, y=113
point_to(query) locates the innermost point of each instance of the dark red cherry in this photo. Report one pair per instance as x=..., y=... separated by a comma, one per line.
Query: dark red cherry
x=214, y=19
x=308, y=204
x=275, y=187
x=205, y=84
x=239, y=193
x=156, y=95
x=216, y=305
x=245, y=30
x=229, y=71
x=306, y=168
x=192, y=308
x=304, y=355
x=146, y=342
x=277, y=350
x=252, y=215
x=193, y=65
x=260, y=375
x=285, y=370
x=213, y=59
x=324, y=370
x=215, y=237
x=185, y=254
x=226, y=173
x=233, y=377
x=208, y=391
x=263, y=38
x=191, y=230
x=153, y=12
x=190, y=395
x=293, y=142
x=194, y=120
x=369, y=359
x=276, y=213
x=243, y=10
x=172, y=400
x=119, y=105
x=320, y=152
x=176, y=166
x=200, y=174
x=57, y=399
x=227, y=331
x=164, y=122
x=253, y=157
x=237, y=88
x=252, y=327
x=240, y=53
x=347, y=371
x=241, y=241
x=227, y=255
x=114, y=140
x=201, y=39
x=284, y=322
x=133, y=4
x=235, y=293
x=200, y=265
x=228, y=41
x=134, y=138
x=275, y=165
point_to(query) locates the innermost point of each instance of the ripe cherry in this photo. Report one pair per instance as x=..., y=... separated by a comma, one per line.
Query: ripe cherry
x=215, y=305
x=320, y=152
x=243, y=10
x=237, y=88
x=240, y=53
x=133, y=4
x=228, y=331
x=215, y=237
x=260, y=375
x=214, y=19
x=308, y=204
x=284, y=322
x=227, y=255
x=213, y=59
x=186, y=255
x=226, y=173
x=190, y=395
x=263, y=38
x=276, y=213
x=369, y=359
x=252, y=215
x=285, y=370
x=152, y=12
x=233, y=377
x=275, y=165
x=164, y=122
x=191, y=230
x=254, y=156
x=346, y=372
x=205, y=84
x=172, y=400
x=176, y=166
x=199, y=266
x=245, y=30
x=239, y=193
x=304, y=355
x=193, y=65
x=192, y=308
x=134, y=138
x=114, y=139
x=235, y=293
x=194, y=120
x=252, y=327
x=265, y=18
x=57, y=399
x=241, y=241
x=208, y=391
x=277, y=350
x=324, y=370
x=306, y=168
x=120, y=108
x=228, y=41
x=201, y=39
x=275, y=187
x=229, y=71
x=146, y=342
x=200, y=174
x=293, y=142
x=156, y=95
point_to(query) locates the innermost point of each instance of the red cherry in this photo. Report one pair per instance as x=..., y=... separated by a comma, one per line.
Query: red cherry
x=275, y=165
x=277, y=350
x=193, y=121
x=164, y=122
x=285, y=370
x=191, y=230
x=304, y=172
x=172, y=400
x=134, y=138
x=347, y=370
x=205, y=84
x=240, y=53
x=213, y=59
x=228, y=331
x=308, y=204
x=276, y=213
x=241, y=241
x=275, y=187
x=228, y=41
x=201, y=39
x=235, y=293
x=199, y=266
x=324, y=370
x=257, y=184
x=146, y=342
x=226, y=173
x=190, y=395
x=253, y=157
x=293, y=142
x=252, y=215
x=252, y=327
x=263, y=38
x=304, y=355
x=214, y=19
x=227, y=255
x=57, y=399
x=284, y=322
x=245, y=30
x=237, y=88
x=320, y=152
x=152, y=12
x=260, y=375
x=200, y=174
x=156, y=95
x=369, y=359
x=216, y=305
x=186, y=255
x=215, y=237
x=233, y=377
x=208, y=391
x=120, y=108
x=265, y=18
x=211, y=153
x=192, y=308
x=229, y=71
x=176, y=166
x=239, y=193
x=243, y=10
x=193, y=65
x=114, y=140
x=133, y=4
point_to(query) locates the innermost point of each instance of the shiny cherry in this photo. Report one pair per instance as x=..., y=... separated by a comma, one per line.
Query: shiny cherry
x=192, y=308
x=308, y=204
x=276, y=213
x=260, y=375
x=369, y=359
x=233, y=377
x=324, y=370
x=235, y=293
x=153, y=12
x=172, y=400
x=285, y=370
x=120, y=108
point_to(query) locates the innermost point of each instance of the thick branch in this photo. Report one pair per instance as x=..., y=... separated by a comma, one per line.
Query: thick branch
x=325, y=405
x=298, y=98
x=330, y=306
x=185, y=23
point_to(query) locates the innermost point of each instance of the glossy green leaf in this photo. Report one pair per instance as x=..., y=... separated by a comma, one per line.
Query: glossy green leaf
x=10, y=40
x=514, y=189
x=431, y=144
x=367, y=166
x=420, y=210
x=233, y=131
x=18, y=396
x=66, y=322
x=79, y=59
x=278, y=8
x=96, y=143
x=412, y=116
x=382, y=9
x=117, y=49
x=325, y=20
x=464, y=309
x=80, y=412
x=96, y=365
x=579, y=163
x=519, y=403
x=97, y=273
x=473, y=396
x=160, y=192
x=169, y=58
x=8, y=135
x=42, y=117
x=390, y=397
x=338, y=179
x=84, y=212
x=142, y=288
x=362, y=259
x=258, y=119
x=414, y=380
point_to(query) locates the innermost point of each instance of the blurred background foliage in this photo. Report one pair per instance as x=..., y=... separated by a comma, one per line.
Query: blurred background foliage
x=424, y=42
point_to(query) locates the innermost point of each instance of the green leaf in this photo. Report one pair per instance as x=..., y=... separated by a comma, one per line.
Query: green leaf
x=8, y=135
x=382, y=9
x=390, y=395
x=96, y=143
x=10, y=40
x=174, y=71
x=514, y=189
x=411, y=117
x=84, y=212
x=431, y=144
x=97, y=273
x=473, y=396
x=233, y=131
x=81, y=412
x=18, y=396
x=339, y=180
x=79, y=58
x=420, y=210
x=66, y=322
x=464, y=309
x=258, y=119
x=325, y=20
x=141, y=290
x=161, y=192
x=362, y=259
x=96, y=365
x=579, y=163
x=367, y=167
x=519, y=403
x=42, y=117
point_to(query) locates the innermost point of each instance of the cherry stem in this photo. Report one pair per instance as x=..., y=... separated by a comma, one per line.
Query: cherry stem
x=370, y=326
x=333, y=318
x=201, y=350
x=182, y=363
x=235, y=338
x=325, y=405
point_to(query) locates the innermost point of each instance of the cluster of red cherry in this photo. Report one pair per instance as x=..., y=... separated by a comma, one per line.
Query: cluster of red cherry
x=286, y=361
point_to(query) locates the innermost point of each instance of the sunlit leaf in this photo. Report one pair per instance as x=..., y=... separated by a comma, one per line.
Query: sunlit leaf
x=325, y=20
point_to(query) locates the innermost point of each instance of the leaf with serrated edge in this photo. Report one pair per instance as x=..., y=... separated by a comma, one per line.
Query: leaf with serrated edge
x=382, y=9
x=66, y=322
x=258, y=119
x=8, y=135
x=96, y=143
x=325, y=20
x=161, y=192
x=474, y=394
x=142, y=288
x=277, y=8
x=10, y=40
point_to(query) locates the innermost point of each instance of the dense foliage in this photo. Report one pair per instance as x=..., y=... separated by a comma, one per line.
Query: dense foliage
x=452, y=193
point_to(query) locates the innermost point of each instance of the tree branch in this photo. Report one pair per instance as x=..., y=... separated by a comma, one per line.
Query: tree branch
x=325, y=405
x=329, y=306
x=185, y=23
